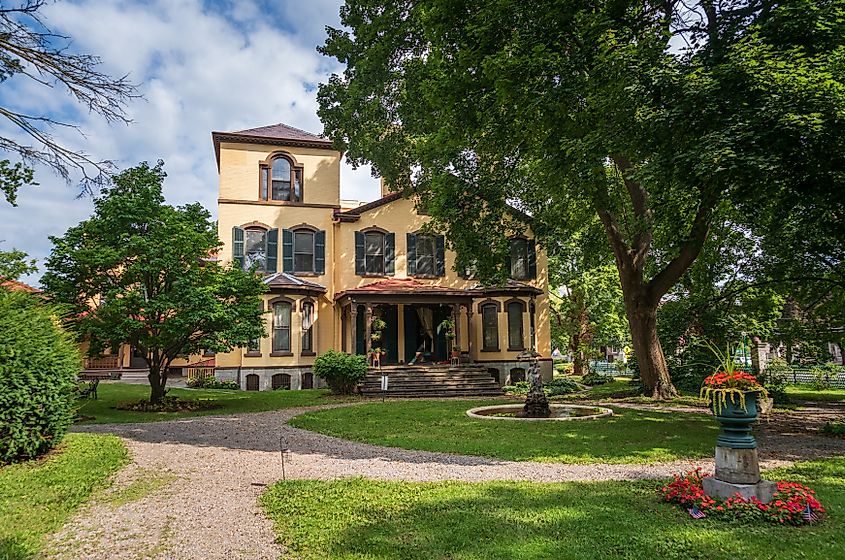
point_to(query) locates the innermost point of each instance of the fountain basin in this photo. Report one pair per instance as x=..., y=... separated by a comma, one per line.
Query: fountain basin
x=560, y=412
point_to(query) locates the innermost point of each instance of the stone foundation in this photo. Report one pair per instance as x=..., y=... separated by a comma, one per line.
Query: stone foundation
x=265, y=376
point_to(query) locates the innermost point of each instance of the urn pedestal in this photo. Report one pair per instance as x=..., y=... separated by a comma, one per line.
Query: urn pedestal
x=737, y=465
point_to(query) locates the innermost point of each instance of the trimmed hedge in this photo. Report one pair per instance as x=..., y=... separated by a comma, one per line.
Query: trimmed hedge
x=39, y=363
x=342, y=372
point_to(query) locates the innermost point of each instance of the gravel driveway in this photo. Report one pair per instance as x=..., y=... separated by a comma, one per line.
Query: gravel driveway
x=211, y=470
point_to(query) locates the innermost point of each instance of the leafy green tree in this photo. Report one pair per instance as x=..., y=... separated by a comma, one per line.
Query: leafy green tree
x=142, y=272
x=660, y=118
x=31, y=51
x=14, y=264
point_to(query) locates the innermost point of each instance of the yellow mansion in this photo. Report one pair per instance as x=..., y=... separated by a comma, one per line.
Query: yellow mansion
x=331, y=268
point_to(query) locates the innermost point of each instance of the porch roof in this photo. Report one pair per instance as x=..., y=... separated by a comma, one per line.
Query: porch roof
x=402, y=288
x=282, y=281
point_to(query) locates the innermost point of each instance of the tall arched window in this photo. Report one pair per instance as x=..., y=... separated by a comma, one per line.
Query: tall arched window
x=307, y=327
x=490, y=327
x=281, y=327
x=515, y=331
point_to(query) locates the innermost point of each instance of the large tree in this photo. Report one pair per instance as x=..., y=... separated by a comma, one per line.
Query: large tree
x=142, y=272
x=658, y=117
x=30, y=51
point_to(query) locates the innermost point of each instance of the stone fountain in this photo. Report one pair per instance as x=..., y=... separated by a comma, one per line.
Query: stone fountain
x=536, y=403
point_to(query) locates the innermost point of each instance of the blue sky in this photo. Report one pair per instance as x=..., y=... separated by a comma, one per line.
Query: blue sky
x=201, y=66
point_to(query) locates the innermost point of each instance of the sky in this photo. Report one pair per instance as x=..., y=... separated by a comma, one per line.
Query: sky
x=221, y=65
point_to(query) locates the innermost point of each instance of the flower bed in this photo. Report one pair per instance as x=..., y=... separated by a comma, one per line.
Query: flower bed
x=793, y=503
x=168, y=404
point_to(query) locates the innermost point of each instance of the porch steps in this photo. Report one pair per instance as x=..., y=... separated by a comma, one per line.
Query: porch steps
x=437, y=381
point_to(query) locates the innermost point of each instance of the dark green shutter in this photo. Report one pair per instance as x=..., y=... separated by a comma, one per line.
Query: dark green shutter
x=320, y=252
x=272, y=250
x=532, y=259
x=287, y=251
x=360, y=265
x=508, y=264
x=389, y=253
x=238, y=246
x=412, y=253
x=440, y=265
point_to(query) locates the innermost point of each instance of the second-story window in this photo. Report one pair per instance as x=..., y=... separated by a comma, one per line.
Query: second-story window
x=426, y=255
x=523, y=259
x=303, y=251
x=255, y=249
x=374, y=252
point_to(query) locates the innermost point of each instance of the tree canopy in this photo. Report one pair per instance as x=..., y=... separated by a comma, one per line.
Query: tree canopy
x=145, y=273
x=663, y=119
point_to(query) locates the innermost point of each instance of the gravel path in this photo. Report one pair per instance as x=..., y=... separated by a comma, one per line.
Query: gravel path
x=209, y=472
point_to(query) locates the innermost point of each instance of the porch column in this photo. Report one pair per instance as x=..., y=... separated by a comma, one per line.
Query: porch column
x=368, y=317
x=400, y=331
x=469, y=332
x=353, y=319
x=456, y=318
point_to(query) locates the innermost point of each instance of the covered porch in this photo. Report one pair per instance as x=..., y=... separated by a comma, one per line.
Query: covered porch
x=412, y=314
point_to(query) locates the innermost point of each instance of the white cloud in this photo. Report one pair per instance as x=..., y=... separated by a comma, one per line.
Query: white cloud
x=200, y=68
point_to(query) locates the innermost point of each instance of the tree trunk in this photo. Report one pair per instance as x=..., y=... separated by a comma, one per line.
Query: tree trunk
x=158, y=382
x=642, y=319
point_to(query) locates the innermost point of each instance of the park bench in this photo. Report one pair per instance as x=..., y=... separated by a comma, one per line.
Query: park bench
x=89, y=388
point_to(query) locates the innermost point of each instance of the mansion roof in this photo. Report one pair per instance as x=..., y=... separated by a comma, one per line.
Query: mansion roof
x=16, y=286
x=273, y=134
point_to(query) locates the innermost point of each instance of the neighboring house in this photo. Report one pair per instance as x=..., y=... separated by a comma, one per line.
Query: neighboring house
x=330, y=270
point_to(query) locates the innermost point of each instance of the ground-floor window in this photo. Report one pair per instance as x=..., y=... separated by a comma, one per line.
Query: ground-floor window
x=281, y=326
x=490, y=327
x=307, y=327
x=280, y=381
x=515, y=333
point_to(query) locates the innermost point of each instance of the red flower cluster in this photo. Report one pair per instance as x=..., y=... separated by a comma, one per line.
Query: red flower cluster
x=788, y=506
x=735, y=380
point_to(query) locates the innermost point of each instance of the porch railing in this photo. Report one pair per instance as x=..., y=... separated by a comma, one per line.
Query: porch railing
x=197, y=372
x=103, y=362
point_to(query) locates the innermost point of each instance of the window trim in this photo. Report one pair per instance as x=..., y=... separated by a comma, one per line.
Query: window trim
x=266, y=166
x=507, y=307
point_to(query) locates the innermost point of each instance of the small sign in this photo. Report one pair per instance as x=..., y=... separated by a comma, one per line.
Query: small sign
x=384, y=382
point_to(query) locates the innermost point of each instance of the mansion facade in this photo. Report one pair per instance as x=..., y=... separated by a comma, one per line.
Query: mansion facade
x=331, y=269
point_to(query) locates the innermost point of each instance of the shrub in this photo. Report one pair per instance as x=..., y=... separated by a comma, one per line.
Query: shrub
x=167, y=404
x=566, y=368
x=593, y=378
x=342, y=372
x=822, y=375
x=834, y=428
x=38, y=367
x=211, y=382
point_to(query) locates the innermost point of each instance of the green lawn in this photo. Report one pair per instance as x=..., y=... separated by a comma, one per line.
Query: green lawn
x=38, y=496
x=231, y=402
x=364, y=519
x=799, y=393
x=628, y=437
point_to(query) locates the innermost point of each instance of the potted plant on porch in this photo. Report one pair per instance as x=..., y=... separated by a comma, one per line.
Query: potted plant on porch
x=447, y=327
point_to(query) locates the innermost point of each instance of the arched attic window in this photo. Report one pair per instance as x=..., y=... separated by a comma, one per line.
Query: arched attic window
x=280, y=179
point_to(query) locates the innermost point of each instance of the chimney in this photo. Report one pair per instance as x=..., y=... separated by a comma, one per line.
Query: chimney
x=385, y=190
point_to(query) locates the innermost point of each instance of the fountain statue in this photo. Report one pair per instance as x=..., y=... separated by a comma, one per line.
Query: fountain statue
x=536, y=403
